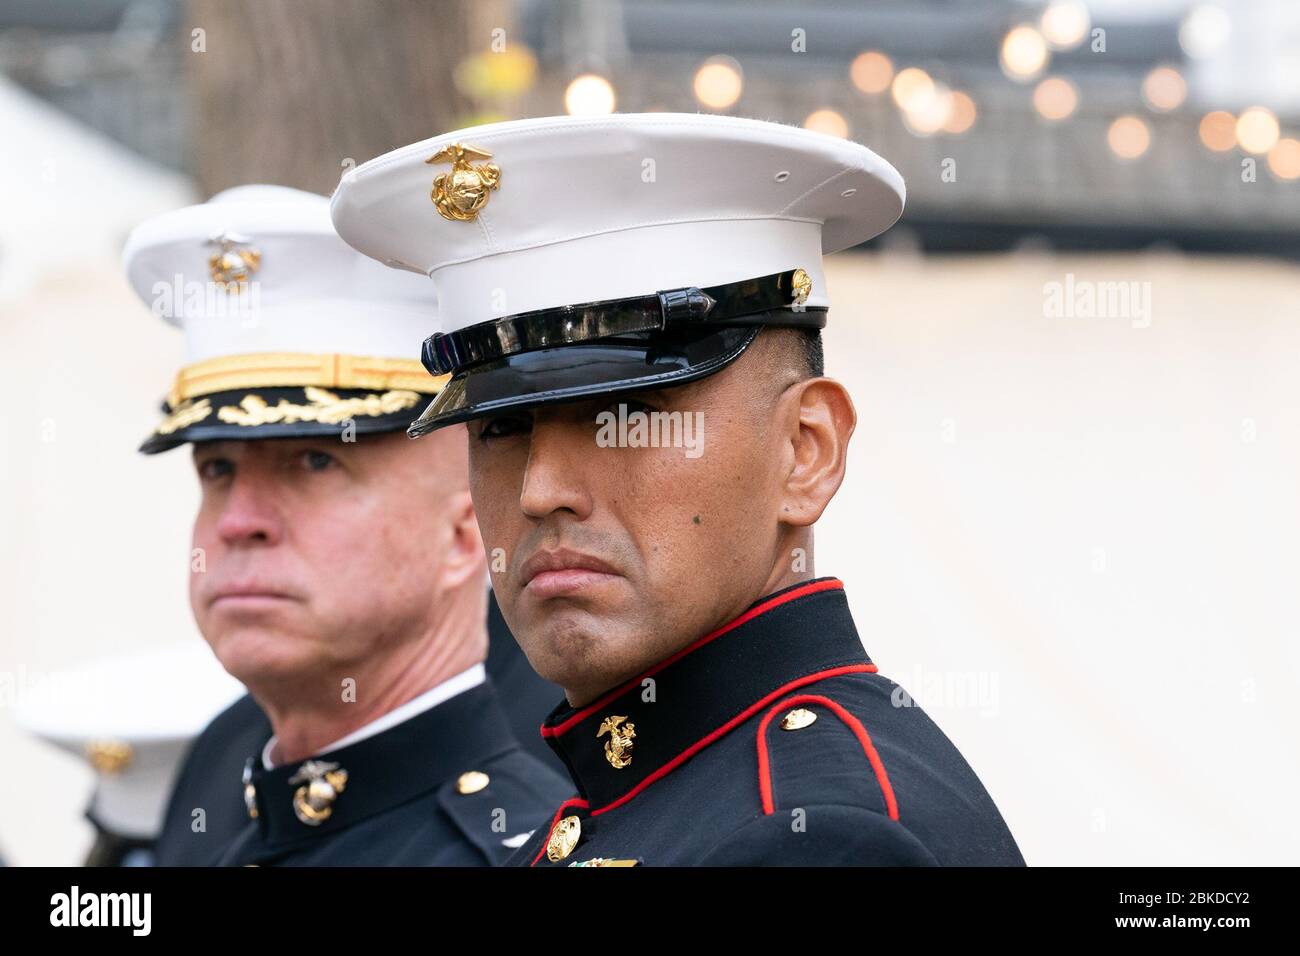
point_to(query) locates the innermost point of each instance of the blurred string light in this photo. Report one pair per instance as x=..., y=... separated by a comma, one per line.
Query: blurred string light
x=1056, y=98
x=589, y=95
x=1257, y=130
x=1164, y=89
x=871, y=72
x=719, y=82
x=827, y=121
x=926, y=114
x=962, y=116
x=1064, y=24
x=929, y=107
x=1024, y=53
x=1218, y=131
x=1128, y=137
x=487, y=75
x=1284, y=159
x=1204, y=30
x=911, y=87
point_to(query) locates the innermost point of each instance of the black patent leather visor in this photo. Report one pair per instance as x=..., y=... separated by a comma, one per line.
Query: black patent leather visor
x=580, y=351
x=585, y=370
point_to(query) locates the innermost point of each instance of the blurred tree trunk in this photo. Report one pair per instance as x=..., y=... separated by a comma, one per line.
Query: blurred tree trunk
x=287, y=91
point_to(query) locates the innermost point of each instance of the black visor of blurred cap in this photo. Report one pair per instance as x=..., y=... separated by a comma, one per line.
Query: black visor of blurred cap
x=572, y=372
x=283, y=412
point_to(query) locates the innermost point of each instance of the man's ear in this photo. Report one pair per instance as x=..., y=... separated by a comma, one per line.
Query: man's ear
x=821, y=421
x=464, y=558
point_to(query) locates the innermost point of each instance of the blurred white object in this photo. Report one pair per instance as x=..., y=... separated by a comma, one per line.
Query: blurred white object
x=132, y=718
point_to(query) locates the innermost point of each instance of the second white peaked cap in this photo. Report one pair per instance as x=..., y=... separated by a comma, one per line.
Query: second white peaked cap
x=307, y=312
x=315, y=294
x=583, y=210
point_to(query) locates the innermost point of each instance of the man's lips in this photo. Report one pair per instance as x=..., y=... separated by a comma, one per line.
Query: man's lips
x=249, y=595
x=561, y=572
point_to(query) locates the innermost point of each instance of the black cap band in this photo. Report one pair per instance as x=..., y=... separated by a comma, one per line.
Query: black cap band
x=769, y=300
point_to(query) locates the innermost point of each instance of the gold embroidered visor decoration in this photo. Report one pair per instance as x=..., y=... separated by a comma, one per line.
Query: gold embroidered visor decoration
x=324, y=407
x=294, y=369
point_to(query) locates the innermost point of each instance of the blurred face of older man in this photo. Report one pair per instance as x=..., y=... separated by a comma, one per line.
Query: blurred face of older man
x=326, y=560
x=617, y=557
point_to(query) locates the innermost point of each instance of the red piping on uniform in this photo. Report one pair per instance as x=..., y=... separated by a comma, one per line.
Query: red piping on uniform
x=764, y=769
x=571, y=802
x=740, y=718
x=744, y=715
x=831, y=584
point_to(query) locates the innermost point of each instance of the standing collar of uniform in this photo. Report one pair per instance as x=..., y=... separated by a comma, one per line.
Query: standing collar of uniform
x=389, y=768
x=470, y=677
x=691, y=699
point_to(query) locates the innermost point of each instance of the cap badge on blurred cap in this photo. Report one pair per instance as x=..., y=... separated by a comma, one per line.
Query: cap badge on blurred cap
x=461, y=193
x=800, y=286
x=322, y=782
x=235, y=264
x=109, y=756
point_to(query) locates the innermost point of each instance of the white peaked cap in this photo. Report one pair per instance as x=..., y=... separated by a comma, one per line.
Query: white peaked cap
x=589, y=209
x=314, y=295
x=288, y=331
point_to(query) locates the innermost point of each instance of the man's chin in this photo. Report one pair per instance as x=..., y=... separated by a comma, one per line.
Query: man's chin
x=261, y=656
x=574, y=646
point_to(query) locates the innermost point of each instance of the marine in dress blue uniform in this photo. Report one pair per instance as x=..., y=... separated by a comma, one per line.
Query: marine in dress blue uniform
x=291, y=334
x=640, y=253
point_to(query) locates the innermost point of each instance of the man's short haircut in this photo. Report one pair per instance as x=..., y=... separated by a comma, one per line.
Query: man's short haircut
x=802, y=347
x=810, y=347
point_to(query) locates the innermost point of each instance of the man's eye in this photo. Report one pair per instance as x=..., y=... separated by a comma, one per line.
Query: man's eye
x=501, y=426
x=317, y=460
x=214, y=468
x=632, y=405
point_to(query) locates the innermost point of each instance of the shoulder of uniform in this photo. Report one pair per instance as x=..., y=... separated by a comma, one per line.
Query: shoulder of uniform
x=498, y=805
x=235, y=732
x=821, y=835
x=819, y=746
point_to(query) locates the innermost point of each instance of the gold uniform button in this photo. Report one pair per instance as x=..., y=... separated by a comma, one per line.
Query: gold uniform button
x=797, y=719
x=472, y=782
x=564, y=837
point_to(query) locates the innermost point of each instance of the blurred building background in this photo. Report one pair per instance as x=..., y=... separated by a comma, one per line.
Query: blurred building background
x=1070, y=522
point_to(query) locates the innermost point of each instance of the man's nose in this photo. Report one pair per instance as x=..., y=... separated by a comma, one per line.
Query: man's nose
x=249, y=514
x=555, y=477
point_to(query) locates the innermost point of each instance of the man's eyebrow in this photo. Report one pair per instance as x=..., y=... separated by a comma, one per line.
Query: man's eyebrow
x=206, y=447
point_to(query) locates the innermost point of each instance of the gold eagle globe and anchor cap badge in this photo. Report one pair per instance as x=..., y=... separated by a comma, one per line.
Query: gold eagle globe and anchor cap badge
x=460, y=194
x=233, y=266
x=322, y=782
